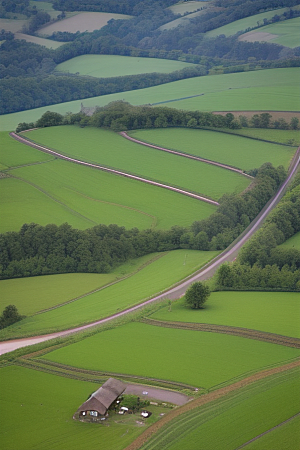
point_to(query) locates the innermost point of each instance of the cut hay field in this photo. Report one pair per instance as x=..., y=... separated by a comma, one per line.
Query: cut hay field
x=225, y=148
x=273, y=312
x=244, y=24
x=44, y=405
x=106, y=66
x=263, y=90
x=83, y=21
x=57, y=191
x=293, y=242
x=284, y=33
x=163, y=272
x=204, y=360
x=112, y=150
x=38, y=40
x=237, y=418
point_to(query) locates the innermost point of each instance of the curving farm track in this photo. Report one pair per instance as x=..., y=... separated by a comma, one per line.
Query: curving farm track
x=175, y=292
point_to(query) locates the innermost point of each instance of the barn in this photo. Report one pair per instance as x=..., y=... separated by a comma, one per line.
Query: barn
x=98, y=403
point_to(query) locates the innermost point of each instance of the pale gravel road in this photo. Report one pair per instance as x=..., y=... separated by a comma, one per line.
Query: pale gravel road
x=175, y=292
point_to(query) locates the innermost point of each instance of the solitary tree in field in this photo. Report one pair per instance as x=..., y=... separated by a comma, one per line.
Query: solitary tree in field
x=196, y=295
x=9, y=316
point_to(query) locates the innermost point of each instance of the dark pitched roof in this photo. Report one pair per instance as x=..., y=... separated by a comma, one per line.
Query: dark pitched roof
x=101, y=399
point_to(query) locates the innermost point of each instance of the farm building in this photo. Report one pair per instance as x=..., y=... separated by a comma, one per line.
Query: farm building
x=99, y=402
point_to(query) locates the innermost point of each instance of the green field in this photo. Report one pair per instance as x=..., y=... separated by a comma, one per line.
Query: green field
x=170, y=268
x=57, y=192
x=39, y=40
x=110, y=149
x=273, y=89
x=287, y=137
x=194, y=357
x=105, y=66
x=238, y=418
x=293, y=242
x=287, y=437
x=285, y=33
x=44, y=405
x=244, y=24
x=12, y=25
x=225, y=148
x=274, y=312
x=183, y=21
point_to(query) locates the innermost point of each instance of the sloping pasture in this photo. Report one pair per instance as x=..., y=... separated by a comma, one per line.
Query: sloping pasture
x=237, y=418
x=284, y=33
x=55, y=191
x=39, y=40
x=293, y=242
x=44, y=405
x=163, y=272
x=286, y=137
x=105, y=66
x=187, y=7
x=83, y=21
x=201, y=359
x=225, y=148
x=244, y=24
x=111, y=150
x=265, y=90
x=274, y=312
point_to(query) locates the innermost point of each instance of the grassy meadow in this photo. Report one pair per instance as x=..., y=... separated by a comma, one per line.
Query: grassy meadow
x=189, y=6
x=273, y=312
x=43, y=190
x=244, y=24
x=286, y=137
x=284, y=33
x=201, y=359
x=44, y=405
x=260, y=90
x=293, y=242
x=168, y=269
x=111, y=150
x=105, y=66
x=49, y=43
x=225, y=148
x=237, y=418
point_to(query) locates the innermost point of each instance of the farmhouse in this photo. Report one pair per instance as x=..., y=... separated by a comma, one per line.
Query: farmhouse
x=99, y=402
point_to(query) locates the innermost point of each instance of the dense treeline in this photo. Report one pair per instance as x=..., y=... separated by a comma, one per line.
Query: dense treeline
x=263, y=263
x=37, y=250
x=115, y=6
x=122, y=116
x=9, y=8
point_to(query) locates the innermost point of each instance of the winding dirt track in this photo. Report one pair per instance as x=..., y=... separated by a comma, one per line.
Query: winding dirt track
x=186, y=155
x=204, y=399
x=234, y=331
x=175, y=292
x=114, y=171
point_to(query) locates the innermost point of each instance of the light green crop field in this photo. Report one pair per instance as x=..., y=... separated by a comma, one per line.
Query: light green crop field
x=225, y=148
x=169, y=269
x=287, y=437
x=83, y=21
x=293, y=242
x=194, y=357
x=236, y=419
x=274, y=312
x=262, y=90
x=105, y=66
x=44, y=405
x=34, y=294
x=285, y=33
x=244, y=24
x=112, y=150
x=58, y=192
x=288, y=137
x=184, y=21
x=189, y=6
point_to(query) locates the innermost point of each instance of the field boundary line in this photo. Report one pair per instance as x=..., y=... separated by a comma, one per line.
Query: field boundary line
x=268, y=431
x=103, y=287
x=205, y=399
x=113, y=171
x=186, y=155
x=247, y=333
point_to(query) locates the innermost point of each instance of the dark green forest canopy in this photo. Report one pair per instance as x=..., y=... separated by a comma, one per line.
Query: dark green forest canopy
x=117, y=6
x=37, y=250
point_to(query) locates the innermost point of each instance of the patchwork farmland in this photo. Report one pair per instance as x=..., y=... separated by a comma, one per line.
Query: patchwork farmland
x=236, y=361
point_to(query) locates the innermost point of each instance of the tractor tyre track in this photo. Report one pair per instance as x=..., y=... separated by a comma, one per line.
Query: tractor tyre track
x=204, y=399
x=247, y=333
